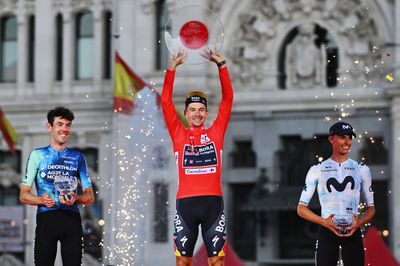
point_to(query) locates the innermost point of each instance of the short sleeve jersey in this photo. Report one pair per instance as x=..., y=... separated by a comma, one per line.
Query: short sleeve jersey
x=54, y=171
x=339, y=186
x=198, y=151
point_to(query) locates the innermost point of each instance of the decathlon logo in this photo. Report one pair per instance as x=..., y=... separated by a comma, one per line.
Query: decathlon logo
x=183, y=240
x=340, y=186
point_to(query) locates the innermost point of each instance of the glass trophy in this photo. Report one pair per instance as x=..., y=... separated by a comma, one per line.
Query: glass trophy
x=65, y=185
x=343, y=221
x=194, y=29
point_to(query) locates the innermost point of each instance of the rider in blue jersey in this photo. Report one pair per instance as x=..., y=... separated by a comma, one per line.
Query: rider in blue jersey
x=57, y=171
x=339, y=181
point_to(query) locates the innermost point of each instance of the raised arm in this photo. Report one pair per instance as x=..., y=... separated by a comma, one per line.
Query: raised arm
x=170, y=115
x=225, y=107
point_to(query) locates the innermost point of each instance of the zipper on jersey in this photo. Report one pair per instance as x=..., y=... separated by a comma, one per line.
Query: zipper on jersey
x=341, y=193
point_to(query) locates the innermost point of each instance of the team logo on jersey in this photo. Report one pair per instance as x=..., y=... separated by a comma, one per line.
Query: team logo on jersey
x=340, y=186
x=199, y=156
x=204, y=139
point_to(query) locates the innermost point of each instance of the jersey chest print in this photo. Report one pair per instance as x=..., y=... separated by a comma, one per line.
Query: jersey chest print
x=340, y=187
x=199, y=155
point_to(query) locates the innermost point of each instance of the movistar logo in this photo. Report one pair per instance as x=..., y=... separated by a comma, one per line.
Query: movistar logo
x=340, y=186
x=346, y=126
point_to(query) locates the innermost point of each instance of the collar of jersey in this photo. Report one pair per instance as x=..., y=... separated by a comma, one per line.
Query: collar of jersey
x=56, y=151
x=196, y=129
x=336, y=163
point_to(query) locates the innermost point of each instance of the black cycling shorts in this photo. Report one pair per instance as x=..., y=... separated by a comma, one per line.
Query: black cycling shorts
x=54, y=226
x=206, y=211
x=327, y=249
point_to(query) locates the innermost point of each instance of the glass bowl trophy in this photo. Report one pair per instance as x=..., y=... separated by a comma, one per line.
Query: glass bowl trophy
x=65, y=185
x=343, y=221
x=193, y=29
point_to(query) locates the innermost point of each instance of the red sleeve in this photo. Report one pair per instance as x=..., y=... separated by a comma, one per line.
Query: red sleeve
x=221, y=122
x=171, y=117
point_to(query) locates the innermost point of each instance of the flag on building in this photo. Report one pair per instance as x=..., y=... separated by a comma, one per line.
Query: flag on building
x=126, y=85
x=9, y=133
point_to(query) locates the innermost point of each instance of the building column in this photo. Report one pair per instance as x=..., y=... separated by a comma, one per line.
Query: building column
x=394, y=194
x=68, y=48
x=44, y=47
x=98, y=44
x=22, y=48
x=397, y=39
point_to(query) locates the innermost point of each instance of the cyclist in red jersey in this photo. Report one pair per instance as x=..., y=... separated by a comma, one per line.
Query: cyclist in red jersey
x=198, y=155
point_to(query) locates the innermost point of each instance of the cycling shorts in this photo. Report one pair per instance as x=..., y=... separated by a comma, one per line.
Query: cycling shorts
x=54, y=226
x=327, y=249
x=206, y=211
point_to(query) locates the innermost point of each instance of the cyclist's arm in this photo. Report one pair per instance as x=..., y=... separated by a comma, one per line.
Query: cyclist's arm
x=171, y=117
x=225, y=106
x=25, y=194
x=87, y=197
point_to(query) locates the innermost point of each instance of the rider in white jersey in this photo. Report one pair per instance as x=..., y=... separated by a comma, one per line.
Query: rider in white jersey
x=340, y=181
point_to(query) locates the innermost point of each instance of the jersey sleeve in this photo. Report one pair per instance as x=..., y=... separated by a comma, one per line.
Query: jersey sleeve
x=366, y=185
x=172, y=121
x=83, y=172
x=221, y=122
x=310, y=186
x=31, y=170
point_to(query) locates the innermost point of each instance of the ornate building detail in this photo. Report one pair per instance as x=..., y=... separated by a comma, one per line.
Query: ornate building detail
x=215, y=5
x=7, y=6
x=305, y=63
x=254, y=43
x=79, y=4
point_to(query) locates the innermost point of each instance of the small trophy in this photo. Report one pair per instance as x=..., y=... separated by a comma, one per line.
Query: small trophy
x=65, y=185
x=343, y=221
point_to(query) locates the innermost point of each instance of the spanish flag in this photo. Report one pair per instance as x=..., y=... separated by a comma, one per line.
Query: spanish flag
x=126, y=85
x=9, y=134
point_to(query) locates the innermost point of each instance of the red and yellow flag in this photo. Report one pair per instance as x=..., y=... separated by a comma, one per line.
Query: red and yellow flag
x=126, y=85
x=9, y=133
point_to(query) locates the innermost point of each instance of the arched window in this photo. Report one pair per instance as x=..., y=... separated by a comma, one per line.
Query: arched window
x=59, y=46
x=309, y=57
x=161, y=21
x=84, y=46
x=107, y=45
x=8, y=49
x=31, y=48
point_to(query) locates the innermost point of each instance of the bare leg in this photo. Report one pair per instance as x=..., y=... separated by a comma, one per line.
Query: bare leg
x=183, y=261
x=216, y=261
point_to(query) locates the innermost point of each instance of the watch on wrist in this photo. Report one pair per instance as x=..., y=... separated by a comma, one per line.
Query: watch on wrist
x=220, y=64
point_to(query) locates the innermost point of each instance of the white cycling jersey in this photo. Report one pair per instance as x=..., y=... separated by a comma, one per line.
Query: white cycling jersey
x=338, y=186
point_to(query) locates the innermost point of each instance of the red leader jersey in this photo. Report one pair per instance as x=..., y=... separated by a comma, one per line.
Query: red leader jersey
x=198, y=151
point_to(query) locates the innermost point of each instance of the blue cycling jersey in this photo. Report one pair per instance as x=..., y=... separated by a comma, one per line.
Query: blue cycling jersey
x=339, y=186
x=56, y=173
